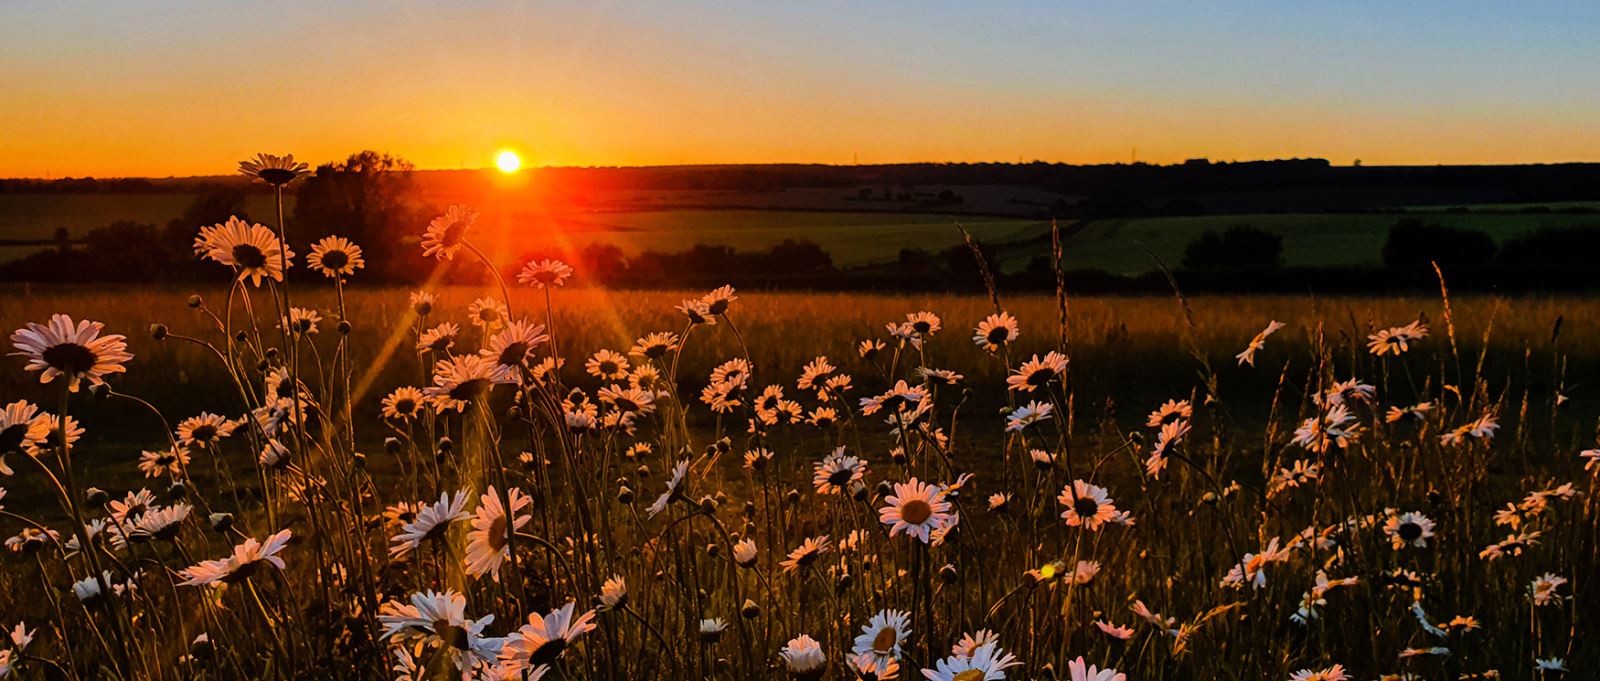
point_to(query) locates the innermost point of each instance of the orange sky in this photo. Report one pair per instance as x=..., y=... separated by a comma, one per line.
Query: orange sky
x=183, y=88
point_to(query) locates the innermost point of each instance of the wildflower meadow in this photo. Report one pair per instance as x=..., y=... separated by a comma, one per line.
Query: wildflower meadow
x=293, y=476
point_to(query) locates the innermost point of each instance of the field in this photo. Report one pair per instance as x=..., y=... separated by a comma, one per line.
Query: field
x=852, y=237
x=705, y=511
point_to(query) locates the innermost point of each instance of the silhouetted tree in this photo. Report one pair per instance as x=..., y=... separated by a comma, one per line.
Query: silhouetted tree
x=1553, y=246
x=1412, y=244
x=1240, y=246
x=798, y=257
x=367, y=198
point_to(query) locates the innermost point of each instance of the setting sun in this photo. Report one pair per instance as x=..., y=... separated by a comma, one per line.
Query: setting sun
x=507, y=161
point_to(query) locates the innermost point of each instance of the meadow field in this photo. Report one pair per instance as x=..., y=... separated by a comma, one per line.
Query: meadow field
x=747, y=484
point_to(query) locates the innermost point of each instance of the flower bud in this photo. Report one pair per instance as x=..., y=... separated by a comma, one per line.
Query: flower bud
x=750, y=610
x=158, y=331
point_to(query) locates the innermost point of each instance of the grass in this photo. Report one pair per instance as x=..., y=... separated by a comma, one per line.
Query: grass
x=1221, y=496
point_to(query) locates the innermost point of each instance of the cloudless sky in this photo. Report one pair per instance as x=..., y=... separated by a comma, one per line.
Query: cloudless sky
x=190, y=87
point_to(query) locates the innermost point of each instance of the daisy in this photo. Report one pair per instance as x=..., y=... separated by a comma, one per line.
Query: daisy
x=1169, y=412
x=512, y=347
x=487, y=313
x=1334, y=673
x=1396, y=340
x=488, y=544
x=1037, y=372
x=1550, y=664
x=1418, y=410
x=458, y=381
x=1116, y=631
x=1252, y=568
x=680, y=471
x=868, y=668
x=806, y=553
x=917, y=509
x=1170, y=435
x=439, y=338
x=711, y=630
x=1027, y=415
x=303, y=322
x=21, y=429
x=55, y=430
x=1090, y=507
x=610, y=366
x=654, y=345
x=252, y=250
x=204, y=430
x=628, y=400
x=422, y=303
x=613, y=593
x=1408, y=529
x=1544, y=589
x=869, y=349
x=744, y=552
x=274, y=170
x=129, y=508
x=1088, y=672
x=544, y=274
x=73, y=352
x=162, y=524
x=804, y=658
x=939, y=376
x=404, y=404
x=542, y=639
x=834, y=473
x=245, y=560
x=923, y=323
x=698, y=312
x=1257, y=343
x=447, y=232
x=718, y=300
x=438, y=620
x=896, y=399
x=881, y=638
x=165, y=462
x=996, y=331
x=814, y=374
x=335, y=257
x=986, y=662
x=432, y=522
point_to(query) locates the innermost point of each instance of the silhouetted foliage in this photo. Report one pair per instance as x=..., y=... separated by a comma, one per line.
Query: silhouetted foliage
x=1239, y=246
x=1413, y=244
x=367, y=199
x=1553, y=247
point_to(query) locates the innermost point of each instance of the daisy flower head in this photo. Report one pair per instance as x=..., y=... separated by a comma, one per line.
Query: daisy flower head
x=922, y=324
x=1543, y=589
x=72, y=352
x=21, y=429
x=1169, y=412
x=806, y=553
x=244, y=562
x=654, y=345
x=719, y=300
x=1334, y=673
x=542, y=640
x=488, y=544
x=335, y=257
x=675, y=484
x=1090, y=507
x=204, y=430
x=1037, y=372
x=1257, y=343
x=1115, y=631
x=983, y=662
x=916, y=508
x=432, y=522
x=869, y=349
x=169, y=462
x=439, y=338
x=274, y=170
x=446, y=233
x=512, y=347
x=607, y=365
x=1027, y=415
x=303, y=321
x=460, y=380
x=1082, y=671
x=1396, y=340
x=697, y=312
x=422, y=303
x=745, y=552
x=252, y=250
x=881, y=638
x=404, y=404
x=711, y=629
x=613, y=593
x=1409, y=529
x=488, y=313
x=438, y=620
x=544, y=274
x=835, y=473
x=996, y=331
x=804, y=658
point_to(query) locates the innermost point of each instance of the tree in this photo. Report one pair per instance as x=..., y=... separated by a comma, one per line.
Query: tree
x=1240, y=246
x=1413, y=244
x=368, y=199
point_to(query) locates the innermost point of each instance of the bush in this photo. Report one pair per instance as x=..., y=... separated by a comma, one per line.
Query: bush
x=1414, y=244
x=1553, y=246
x=1240, y=246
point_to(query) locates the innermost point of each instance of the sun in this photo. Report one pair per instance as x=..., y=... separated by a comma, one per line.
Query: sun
x=507, y=161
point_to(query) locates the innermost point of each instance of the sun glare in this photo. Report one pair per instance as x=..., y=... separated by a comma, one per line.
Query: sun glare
x=507, y=161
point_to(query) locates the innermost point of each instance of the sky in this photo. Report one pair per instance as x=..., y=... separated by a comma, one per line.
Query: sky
x=162, y=88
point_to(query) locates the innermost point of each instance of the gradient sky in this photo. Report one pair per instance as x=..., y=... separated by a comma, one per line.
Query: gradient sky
x=181, y=88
